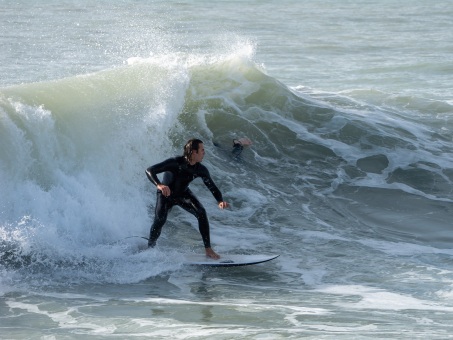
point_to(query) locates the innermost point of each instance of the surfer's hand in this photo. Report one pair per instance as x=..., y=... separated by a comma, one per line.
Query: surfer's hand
x=244, y=141
x=212, y=254
x=223, y=205
x=165, y=190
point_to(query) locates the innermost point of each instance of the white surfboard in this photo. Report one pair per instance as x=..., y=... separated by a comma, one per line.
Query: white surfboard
x=227, y=260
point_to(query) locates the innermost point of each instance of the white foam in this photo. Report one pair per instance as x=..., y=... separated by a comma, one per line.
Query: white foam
x=403, y=248
x=380, y=299
x=64, y=319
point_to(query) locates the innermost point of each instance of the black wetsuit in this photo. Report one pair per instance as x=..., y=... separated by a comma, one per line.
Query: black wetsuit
x=237, y=149
x=178, y=174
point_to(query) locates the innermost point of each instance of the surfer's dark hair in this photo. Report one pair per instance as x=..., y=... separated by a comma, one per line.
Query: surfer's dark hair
x=192, y=145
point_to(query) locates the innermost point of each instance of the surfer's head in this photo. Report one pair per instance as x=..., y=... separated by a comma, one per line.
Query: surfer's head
x=194, y=151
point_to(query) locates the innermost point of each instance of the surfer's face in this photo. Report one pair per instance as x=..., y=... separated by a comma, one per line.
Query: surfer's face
x=197, y=155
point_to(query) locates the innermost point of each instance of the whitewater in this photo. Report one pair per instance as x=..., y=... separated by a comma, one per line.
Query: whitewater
x=349, y=177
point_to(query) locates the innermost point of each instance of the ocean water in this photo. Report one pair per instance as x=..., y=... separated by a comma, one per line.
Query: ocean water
x=349, y=178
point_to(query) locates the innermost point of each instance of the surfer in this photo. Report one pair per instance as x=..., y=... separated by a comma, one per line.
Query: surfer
x=238, y=146
x=179, y=172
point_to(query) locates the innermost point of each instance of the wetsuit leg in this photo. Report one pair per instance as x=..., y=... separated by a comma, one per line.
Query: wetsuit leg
x=191, y=204
x=163, y=205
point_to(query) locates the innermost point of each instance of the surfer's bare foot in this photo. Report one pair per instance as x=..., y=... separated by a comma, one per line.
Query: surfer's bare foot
x=212, y=254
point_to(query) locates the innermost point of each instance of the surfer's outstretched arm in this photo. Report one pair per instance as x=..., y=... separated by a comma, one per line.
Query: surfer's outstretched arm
x=244, y=141
x=238, y=146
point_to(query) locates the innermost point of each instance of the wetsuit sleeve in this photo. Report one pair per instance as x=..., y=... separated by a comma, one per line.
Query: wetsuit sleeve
x=153, y=170
x=237, y=149
x=207, y=180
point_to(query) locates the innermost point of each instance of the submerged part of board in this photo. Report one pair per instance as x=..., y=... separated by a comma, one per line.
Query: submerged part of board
x=227, y=260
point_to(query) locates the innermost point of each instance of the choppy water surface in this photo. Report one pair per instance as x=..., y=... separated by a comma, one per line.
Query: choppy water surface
x=349, y=177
